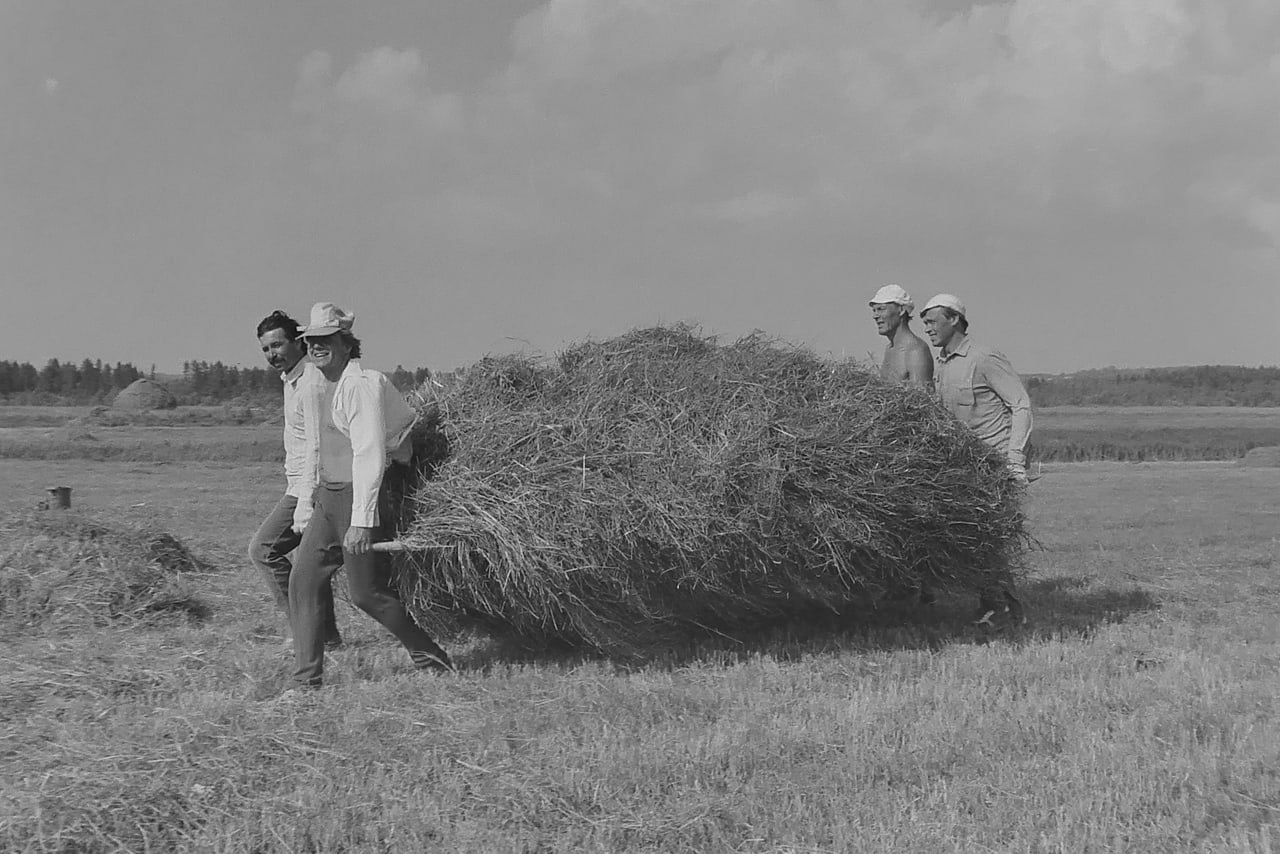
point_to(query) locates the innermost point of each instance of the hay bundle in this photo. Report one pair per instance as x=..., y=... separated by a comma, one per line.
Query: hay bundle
x=1264, y=457
x=62, y=569
x=659, y=483
x=143, y=395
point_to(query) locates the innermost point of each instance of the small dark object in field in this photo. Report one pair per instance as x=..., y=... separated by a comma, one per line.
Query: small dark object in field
x=659, y=484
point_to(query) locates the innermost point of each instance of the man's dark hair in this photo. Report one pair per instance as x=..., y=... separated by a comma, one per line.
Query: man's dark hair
x=352, y=342
x=279, y=320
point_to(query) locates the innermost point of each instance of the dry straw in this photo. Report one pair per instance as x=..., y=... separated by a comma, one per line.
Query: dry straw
x=659, y=484
x=65, y=570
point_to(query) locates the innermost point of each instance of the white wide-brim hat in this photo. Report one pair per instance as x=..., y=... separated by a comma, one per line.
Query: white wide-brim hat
x=326, y=319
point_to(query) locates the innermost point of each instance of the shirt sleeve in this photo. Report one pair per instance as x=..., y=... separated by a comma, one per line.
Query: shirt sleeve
x=311, y=394
x=363, y=405
x=1005, y=382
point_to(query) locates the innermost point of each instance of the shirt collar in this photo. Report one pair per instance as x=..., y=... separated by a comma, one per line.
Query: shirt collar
x=296, y=373
x=962, y=350
x=351, y=370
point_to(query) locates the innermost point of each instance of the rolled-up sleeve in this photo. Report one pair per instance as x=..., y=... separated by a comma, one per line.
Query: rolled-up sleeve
x=362, y=402
x=1002, y=379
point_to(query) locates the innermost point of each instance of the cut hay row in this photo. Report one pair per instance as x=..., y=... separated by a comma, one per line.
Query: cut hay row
x=60, y=569
x=659, y=484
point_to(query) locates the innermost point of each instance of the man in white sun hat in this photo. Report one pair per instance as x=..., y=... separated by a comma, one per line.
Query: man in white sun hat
x=980, y=386
x=361, y=455
x=906, y=356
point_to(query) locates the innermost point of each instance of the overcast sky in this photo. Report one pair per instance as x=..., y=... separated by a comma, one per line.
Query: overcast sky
x=1098, y=179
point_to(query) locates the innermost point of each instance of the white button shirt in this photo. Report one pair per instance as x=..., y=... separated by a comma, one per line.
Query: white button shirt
x=361, y=424
x=295, y=435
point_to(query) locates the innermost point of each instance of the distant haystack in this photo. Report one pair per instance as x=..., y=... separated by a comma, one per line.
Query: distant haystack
x=1268, y=457
x=143, y=395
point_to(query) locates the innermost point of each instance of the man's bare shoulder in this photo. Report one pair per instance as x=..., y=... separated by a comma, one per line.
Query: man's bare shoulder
x=913, y=343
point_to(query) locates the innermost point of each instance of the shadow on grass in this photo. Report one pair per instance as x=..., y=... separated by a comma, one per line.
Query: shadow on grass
x=1057, y=608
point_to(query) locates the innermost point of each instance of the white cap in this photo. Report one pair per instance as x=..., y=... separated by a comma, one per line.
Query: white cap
x=893, y=294
x=945, y=301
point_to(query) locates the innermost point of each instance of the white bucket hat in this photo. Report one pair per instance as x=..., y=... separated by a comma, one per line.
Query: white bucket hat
x=894, y=294
x=326, y=319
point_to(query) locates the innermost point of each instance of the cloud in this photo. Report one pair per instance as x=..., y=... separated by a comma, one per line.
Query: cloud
x=385, y=85
x=885, y=122
x=50, y=85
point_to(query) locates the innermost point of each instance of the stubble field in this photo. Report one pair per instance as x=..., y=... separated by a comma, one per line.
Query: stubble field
x=1137, y=712
x=238, y=434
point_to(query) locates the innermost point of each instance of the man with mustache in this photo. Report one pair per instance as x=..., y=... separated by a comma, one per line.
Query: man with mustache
x=276, y=537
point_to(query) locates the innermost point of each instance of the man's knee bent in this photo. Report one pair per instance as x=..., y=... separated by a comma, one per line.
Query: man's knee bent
x=259, y=552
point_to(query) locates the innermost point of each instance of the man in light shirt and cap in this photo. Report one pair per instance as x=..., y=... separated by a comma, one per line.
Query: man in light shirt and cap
x=358, y=435
x=906, y=356
x=276, y=537
x=980, y=386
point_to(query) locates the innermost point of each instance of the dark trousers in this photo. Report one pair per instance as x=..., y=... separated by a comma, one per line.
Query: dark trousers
x=368, y=578
x=269, y=552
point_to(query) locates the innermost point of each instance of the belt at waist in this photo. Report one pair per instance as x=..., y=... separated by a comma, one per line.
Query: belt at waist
x=338, y=484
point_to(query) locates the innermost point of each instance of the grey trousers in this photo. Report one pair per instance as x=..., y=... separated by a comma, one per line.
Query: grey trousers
x=269, y=552
x=368, y=579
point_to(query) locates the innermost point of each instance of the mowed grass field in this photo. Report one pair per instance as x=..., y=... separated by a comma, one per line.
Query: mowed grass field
x=238, y=434
x=1137, y=712
x=1150, y=433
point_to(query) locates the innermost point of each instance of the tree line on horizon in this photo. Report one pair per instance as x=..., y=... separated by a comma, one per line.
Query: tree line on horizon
x=88, y=380
x=92, y=381
x=201, y=383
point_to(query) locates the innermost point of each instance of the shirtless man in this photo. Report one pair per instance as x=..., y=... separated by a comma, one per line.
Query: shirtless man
x=906, y=357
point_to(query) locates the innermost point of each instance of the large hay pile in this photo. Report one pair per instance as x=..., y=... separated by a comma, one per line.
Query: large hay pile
x=61, y=569
x=658, y=484
x=1264, y=457
x=143, y=395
